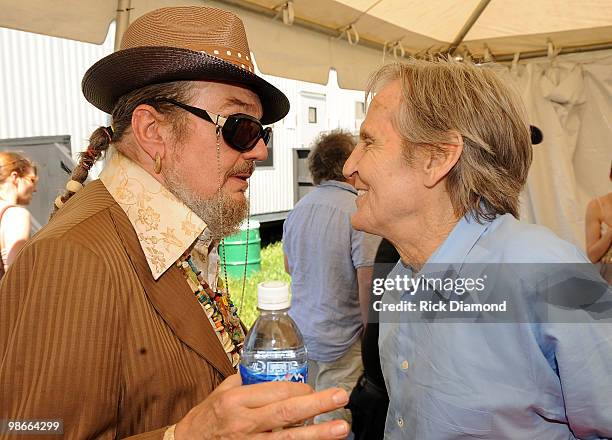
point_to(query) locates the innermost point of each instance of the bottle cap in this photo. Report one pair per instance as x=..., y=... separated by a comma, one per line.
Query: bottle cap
x=273, y=295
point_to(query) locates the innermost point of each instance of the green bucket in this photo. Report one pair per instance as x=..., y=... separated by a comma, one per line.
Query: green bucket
x=234, y=250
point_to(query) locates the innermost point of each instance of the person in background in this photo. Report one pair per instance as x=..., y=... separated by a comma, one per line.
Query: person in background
x=444, y=153
x=369, y=399
x=598, y=224
x=114, y=318
x=330, y=265
x=18, y=178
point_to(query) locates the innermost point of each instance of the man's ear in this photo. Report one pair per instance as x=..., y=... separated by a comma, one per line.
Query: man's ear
x=438, y=162
x=151, y=131
x=13, y=177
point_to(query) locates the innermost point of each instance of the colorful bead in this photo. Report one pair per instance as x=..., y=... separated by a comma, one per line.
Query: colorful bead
x=218, y=307
x=235, y=359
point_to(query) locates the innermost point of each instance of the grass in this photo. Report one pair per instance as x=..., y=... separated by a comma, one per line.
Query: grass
x=272, y=268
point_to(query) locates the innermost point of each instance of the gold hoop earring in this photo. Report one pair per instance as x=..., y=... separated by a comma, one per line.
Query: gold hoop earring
x=157, y=168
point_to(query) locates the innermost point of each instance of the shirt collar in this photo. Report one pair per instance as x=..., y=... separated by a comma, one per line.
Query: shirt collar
x=165, y=226
x=460, y=241
x=344, y=185
x=449, y=258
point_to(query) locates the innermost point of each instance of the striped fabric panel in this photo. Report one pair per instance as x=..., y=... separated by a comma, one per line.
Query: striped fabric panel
x=79, y=339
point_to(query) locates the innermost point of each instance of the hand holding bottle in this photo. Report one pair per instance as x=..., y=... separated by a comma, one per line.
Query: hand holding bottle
x=233, y=411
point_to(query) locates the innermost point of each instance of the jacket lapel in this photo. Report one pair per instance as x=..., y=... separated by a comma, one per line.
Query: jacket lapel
x=173, y=300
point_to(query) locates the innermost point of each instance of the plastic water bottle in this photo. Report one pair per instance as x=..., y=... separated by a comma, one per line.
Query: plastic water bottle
x=274, y=348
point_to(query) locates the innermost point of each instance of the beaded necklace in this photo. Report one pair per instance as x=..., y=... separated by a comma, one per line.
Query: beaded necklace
x=219, y=309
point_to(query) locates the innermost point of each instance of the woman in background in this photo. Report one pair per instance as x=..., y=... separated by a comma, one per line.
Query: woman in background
x=599, y=232
x=18, y=177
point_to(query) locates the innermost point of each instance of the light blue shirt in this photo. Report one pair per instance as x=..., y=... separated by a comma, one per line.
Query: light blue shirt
x=324, y=251
x=548, y=379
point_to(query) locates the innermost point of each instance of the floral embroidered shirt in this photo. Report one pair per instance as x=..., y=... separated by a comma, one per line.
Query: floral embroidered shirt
x=165, y=226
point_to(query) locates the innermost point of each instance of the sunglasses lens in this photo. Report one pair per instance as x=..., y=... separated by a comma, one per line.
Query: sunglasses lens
x=243, y=134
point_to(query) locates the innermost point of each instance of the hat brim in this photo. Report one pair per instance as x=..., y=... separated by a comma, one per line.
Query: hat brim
x=126, y=70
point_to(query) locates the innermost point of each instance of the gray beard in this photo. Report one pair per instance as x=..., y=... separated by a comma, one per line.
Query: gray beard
x=222, y=214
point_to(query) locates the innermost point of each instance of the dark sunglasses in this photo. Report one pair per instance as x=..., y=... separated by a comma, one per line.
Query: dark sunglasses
x=240, y=131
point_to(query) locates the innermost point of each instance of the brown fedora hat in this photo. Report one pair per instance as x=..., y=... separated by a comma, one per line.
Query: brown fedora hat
x=181, y=43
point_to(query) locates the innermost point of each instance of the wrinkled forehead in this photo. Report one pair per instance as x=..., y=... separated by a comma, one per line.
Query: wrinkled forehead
x=234, y=104
x=229, y=98
x=385, y=103
x=388, y=95
x=379, y=105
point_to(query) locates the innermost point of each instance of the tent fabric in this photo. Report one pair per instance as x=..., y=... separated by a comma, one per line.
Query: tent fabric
x=570, y=99
x=504, y=27
x=81, y=20
x=516, y=24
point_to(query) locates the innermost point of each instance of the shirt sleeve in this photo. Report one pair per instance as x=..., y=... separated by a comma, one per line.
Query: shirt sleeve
x=286, y=238
x=583, y=352
x=363, y=248
x=580, y=336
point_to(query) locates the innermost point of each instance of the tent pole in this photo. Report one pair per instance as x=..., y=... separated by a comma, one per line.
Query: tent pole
x=563, y=51
x=468, y=25
x=122, y=20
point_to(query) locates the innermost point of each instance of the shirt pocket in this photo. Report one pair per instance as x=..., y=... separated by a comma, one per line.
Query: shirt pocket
x=445, y=420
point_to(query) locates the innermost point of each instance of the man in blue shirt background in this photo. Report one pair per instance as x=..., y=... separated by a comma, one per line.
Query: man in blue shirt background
x=444, y=153
x=330, y=264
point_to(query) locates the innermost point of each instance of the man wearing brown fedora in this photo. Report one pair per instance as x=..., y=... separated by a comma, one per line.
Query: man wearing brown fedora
x=113, y=319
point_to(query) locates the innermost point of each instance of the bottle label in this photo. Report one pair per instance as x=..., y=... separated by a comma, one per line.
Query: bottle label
x=274, y=371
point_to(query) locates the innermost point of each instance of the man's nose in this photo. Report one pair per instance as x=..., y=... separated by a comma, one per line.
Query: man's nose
x=260, y=152
x=350, y=166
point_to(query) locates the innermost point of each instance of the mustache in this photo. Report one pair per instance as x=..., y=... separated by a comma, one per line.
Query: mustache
x=243, y=168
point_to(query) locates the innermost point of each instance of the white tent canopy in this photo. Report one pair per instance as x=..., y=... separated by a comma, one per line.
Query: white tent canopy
x=316, y=36
x=82, y=20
